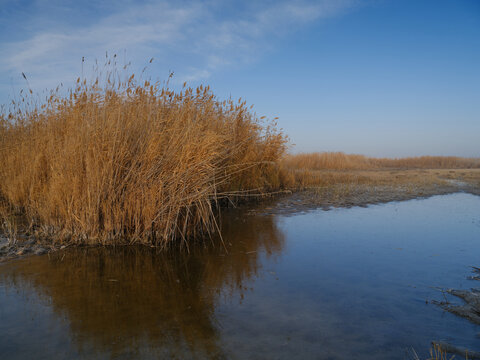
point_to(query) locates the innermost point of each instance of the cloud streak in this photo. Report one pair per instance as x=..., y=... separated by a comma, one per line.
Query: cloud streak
x=192, y=38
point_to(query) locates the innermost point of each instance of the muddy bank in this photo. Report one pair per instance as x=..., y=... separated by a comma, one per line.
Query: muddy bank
x=339, y=189
x=25, y=246
x=468, y=309
x=383, y=189
x=351, y=195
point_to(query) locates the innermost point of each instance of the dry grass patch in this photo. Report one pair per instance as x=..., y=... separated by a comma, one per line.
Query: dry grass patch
x=126, y=161
x=342, y=161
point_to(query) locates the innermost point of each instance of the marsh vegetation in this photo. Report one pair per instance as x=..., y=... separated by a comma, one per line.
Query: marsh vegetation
x=123, y=161
x=118, y=160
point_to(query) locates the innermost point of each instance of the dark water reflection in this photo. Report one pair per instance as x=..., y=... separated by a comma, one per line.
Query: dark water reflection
x=348, y=283
x=136, y=300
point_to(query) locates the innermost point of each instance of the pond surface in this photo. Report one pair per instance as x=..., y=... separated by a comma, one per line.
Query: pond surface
x=339, y=284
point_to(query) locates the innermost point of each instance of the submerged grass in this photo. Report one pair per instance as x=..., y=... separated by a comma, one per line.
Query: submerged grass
x=127, y=161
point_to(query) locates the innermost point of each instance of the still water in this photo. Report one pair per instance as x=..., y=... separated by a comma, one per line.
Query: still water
x=339, y=284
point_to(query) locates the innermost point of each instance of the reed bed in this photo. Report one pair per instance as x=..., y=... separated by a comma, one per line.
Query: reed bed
x=342, y=161
x=118, y=161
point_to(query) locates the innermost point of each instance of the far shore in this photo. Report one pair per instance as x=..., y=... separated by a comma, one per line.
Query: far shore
x=350, y=188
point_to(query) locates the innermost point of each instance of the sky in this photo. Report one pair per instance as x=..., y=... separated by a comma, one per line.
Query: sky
x=384, y=78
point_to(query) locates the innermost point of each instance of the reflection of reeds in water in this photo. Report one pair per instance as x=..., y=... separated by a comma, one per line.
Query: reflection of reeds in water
x=119, y=298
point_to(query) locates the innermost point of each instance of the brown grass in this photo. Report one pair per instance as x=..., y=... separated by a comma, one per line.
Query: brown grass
x=326, y=170
x=341, y=161
x=122, y=160
x=326, y=178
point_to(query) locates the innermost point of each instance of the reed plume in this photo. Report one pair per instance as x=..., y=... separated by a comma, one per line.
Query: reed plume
x=131, y=161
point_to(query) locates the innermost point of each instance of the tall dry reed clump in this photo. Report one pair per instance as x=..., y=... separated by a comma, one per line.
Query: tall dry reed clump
x=130, y=161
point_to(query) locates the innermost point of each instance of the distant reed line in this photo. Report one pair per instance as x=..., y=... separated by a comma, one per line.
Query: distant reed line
x=342, y=161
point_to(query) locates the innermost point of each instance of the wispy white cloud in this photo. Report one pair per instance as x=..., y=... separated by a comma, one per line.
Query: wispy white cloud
x=192, y=38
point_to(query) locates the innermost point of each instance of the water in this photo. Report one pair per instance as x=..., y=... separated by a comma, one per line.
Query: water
x=339, y=284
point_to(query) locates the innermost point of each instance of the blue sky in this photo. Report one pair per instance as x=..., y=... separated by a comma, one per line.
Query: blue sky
x=378, y=77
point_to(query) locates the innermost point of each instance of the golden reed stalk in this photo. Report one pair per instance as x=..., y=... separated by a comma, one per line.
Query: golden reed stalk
x=127, y=161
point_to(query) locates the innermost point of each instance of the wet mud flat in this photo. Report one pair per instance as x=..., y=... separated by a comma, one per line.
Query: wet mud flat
x=25, y=246
x=364, y=188
x=468, y=308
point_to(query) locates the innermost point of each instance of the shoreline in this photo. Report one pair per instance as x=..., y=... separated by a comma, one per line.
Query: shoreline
x=25, y=246
x=360, y=188
x=351, y=196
